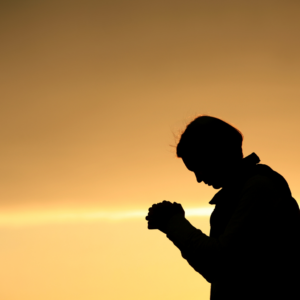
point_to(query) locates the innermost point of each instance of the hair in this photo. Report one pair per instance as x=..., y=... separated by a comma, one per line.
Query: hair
x=207, y=134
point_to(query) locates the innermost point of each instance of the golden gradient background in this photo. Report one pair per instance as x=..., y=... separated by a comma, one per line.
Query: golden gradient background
x=91, y=94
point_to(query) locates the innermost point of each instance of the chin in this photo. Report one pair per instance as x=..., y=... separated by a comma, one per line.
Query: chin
x=216, y=186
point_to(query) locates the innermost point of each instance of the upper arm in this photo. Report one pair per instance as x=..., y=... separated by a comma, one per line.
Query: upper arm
x=253, y=212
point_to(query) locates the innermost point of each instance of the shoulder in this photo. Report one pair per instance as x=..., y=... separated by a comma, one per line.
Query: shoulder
x=265, y=180
x=258, y=181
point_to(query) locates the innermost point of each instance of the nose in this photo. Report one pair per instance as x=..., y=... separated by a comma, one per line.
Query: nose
x=198, y=177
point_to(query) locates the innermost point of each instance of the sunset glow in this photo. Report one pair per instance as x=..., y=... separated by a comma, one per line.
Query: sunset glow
x=92, y=95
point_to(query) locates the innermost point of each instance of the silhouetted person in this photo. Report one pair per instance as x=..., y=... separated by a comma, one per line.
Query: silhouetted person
x=253, y=250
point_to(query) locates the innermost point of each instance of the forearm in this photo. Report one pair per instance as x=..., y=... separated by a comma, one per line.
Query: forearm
x=198, y=249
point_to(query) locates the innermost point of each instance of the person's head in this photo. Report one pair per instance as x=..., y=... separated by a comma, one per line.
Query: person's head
x=210, y=147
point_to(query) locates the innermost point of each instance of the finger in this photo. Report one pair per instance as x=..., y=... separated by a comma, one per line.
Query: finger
x=166, y=202
x=151, y=225
x=153, y=215
x=153, y=211
x=178, y=207
x=154, y=206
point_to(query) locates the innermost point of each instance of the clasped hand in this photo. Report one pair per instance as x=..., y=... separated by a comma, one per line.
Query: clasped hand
x=159, y=214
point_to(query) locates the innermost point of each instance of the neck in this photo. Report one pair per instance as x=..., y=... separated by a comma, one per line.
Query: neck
x=231, y=171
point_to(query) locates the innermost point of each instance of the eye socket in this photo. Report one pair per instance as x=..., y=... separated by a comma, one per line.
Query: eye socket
x=197, y=164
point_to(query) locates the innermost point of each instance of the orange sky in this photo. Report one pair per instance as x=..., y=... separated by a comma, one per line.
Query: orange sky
x=91, y=93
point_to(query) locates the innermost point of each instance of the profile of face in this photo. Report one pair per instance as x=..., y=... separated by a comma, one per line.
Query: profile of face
x=211, y=170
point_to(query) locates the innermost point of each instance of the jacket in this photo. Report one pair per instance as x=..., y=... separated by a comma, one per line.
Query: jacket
x=253, y=248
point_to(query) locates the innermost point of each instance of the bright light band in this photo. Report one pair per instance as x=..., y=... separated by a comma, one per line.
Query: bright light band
x=44, y=217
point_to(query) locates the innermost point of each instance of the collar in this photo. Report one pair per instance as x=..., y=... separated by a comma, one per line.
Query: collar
x=246, y=163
